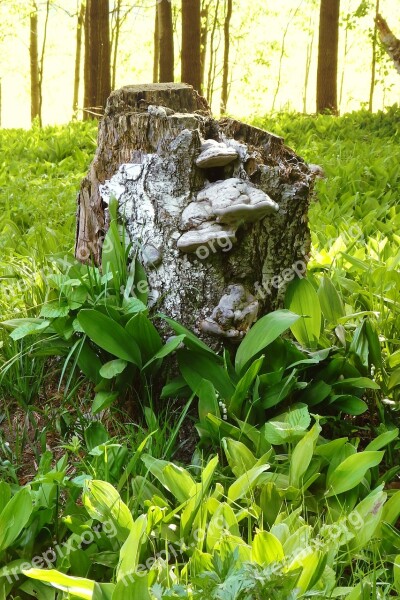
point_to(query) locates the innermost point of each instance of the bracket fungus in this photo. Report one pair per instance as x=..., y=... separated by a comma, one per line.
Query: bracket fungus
x=232, y=318
x=215, y=154
x=232, y=202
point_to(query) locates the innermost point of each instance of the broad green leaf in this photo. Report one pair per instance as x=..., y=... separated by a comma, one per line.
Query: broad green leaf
x=5, y=495
x=302, y=299
x=174, y=478
x=134, y=587
x=33, y=326
x=313, y=564
x=113, y=368
x=264, y=332
x=302, y=455
x=89, y=363
x=191, y=341
x=77, y=586
x=14, y=517
x=167, y=349
x=146, y=336
x=109, y=335
x=243, y=387
x=351, y=471
x=130, y=551
x=394, y=379
x=352, y=405
x=383, y=440
x=208, y=402
x=245, y=483
x=197, y=366
x=266, y=549
x=222, y=521
x=239, y=457
x=103, y=400
x=358, y=382
x=330, y=301
x=103, y=502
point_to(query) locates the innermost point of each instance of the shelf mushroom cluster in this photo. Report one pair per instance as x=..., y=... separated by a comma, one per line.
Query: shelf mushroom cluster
x=221, y=207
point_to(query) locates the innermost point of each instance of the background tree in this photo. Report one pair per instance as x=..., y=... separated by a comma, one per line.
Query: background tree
x=97, y=57
x=36, y=61
x=78, y=52
x=328, y=56
x=225, y=70
x=191, y=40
x=166, y=41
x=156, y=46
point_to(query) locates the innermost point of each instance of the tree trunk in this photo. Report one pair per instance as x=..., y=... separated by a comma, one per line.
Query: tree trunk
x=328, y=56
x=116, y=42
x=34, y=62
x=191, y=42
x=78, y=52
x=166, y=43
x=217, y=209
x=389, y=41
x=156, y=46
x=225, y=71
x=97, y=57
x=203, y=39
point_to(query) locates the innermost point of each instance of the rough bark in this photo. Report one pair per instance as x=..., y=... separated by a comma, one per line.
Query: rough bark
x=328, y=56
x=166, y=43
x=191, y=43
x=34, y=65
x=389, y=41
x=213, y=262
x=78, y=52
x=97, y=57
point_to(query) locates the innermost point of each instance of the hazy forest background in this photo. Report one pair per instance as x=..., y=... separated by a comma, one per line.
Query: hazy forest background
x=272, y=55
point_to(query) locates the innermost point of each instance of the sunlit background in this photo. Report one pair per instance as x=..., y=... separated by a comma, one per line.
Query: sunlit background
x=270, y=43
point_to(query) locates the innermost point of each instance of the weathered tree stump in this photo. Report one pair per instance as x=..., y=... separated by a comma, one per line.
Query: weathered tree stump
x=218, y=209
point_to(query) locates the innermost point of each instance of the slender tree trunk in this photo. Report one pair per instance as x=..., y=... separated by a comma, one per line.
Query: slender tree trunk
x=278, y=84
x=78, y=53
x=203, y=39
x=191, y=34
x=34, y=62
x=166, y=43
x=156, y=46
x=225, y=71
x=210, y=81
x=41, y=64
x=389, y=41
x=309, y=53
x=116, y=42
x=328, y=56
x=97, y=57
x=373, y=62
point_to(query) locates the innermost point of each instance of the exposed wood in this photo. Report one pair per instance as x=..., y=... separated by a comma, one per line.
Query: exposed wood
x=158, y=152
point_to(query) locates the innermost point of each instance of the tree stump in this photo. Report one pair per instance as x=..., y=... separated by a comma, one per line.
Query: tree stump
x=216, y=209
